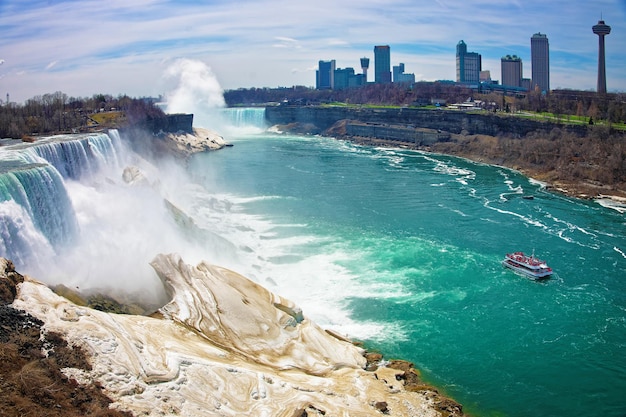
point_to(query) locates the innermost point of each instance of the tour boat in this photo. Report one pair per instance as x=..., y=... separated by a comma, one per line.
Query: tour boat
x=528, y=265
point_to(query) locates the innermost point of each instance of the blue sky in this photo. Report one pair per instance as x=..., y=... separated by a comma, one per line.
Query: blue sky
x=126, y=46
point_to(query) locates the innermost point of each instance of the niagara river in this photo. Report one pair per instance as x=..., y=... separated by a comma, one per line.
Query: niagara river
x=396, y=248
x=402, y=249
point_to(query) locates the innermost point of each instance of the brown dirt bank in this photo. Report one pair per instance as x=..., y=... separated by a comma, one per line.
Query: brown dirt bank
x=31, y=381
x=582, y=167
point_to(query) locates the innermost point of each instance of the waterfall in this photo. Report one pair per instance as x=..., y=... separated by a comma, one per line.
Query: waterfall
x=20, y=240
x=246, y=116
x=75, y=157
x=35, y=209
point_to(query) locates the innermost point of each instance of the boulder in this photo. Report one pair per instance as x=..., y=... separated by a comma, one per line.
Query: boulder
x=9, y=279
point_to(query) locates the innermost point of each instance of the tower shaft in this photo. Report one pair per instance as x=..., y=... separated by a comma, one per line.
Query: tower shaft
x=601, y=66
x=601, y=29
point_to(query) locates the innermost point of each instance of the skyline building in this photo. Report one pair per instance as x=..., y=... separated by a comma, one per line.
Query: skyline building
x=540, y=62
x=346, y=77
x=382, y=64
x=511, y=67
x=325, y=75
x=601, y=29
x=399, y=76
x=468, y=65
x=343, y=78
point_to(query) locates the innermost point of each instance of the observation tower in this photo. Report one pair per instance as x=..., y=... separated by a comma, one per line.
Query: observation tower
x=365, y=64
x=601, y=30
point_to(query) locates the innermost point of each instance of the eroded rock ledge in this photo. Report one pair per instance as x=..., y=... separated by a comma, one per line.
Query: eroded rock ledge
x=201, y=140
x=225, y=346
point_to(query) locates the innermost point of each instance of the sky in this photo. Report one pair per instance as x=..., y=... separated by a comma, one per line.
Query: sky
x=85, y=47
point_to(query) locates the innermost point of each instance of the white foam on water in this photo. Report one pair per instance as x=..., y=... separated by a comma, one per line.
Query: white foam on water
x=612, y=204
x=288, y=260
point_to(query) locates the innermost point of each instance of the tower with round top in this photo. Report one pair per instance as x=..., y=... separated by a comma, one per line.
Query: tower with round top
x=601, y=29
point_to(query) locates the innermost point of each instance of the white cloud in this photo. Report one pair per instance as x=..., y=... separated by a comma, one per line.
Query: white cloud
x=284, y=42
x=120, y=46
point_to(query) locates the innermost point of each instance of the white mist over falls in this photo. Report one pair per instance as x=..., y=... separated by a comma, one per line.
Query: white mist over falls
x=87, y=212
x=193, y=88
x=70, y=217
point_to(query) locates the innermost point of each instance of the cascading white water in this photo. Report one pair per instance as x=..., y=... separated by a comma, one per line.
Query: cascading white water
x=193, y=88
x=34, y=205
x=82, y=225
x=74, y=157
x=244, y=120
x=67, y=215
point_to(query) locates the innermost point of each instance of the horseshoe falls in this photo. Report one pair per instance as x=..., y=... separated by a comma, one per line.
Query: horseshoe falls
x=400, y=249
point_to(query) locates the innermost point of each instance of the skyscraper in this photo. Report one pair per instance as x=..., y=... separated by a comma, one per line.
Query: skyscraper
x=325, y=75
x=540, y=61
x=344, y=78
x=399, y=76
x=511, y=66
x=601, y=30
x=468, y=65
x=382, y=64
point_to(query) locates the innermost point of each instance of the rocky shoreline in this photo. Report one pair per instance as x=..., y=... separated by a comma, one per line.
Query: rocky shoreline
x=607, y=196
x=140, y=365
x=201, y=140
x=179, y=144
x=578, y=160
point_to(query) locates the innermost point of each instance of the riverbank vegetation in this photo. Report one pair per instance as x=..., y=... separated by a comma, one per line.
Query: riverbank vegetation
x=582, y=166
x=57, y=113
x=564, y=106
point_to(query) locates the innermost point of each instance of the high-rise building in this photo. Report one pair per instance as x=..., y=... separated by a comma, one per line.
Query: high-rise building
x=382, y=64
x=511, y=66
x=399, y=76
x=485, y=76
x=344, y=78
x=540, y=62
x=325, y=75
x=461, y=50
x=468, y=65
x=601, y=30
x=397, y=70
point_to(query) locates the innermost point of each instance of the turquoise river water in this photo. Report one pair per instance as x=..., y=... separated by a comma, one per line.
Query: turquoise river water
x=402, y=249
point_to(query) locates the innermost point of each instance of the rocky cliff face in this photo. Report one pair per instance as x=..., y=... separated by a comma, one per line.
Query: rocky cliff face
x=177, y=143
x=456, y=122
x=171, y=123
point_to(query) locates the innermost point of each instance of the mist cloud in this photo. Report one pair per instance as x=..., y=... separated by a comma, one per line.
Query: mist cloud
x=196, y=88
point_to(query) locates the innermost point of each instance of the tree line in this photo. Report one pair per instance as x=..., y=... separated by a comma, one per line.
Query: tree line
x=585, y=104
x=57, y=113
x=377, y=94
